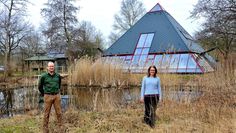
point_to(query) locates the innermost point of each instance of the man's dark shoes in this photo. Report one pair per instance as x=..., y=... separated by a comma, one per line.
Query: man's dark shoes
x=152, y=125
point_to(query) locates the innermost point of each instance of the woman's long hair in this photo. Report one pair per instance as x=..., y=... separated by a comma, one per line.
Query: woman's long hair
x=150, y=69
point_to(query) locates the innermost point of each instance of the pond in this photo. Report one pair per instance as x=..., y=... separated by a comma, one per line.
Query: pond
x=24, y=99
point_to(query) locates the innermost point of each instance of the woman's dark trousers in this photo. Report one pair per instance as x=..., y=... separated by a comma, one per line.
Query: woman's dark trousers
x=150, y=102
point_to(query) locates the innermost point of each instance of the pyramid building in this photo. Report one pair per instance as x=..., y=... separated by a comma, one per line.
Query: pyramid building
x=158, y=39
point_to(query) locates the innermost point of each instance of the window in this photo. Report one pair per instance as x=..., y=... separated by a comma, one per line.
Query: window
x=157, y=60
x=145, y=51
x=198, y=70
x=135, y=60
x=183, y=61
x=149, y=60
x=191, y=63
x=180, y=63
x=127, y=61
x=149, y=40
x=205, y=66
x=165, y=61
x=174, y=61
x=157, y=7
x=142, y=40
x=138, y=51
x=142, y=60
x=142, y=49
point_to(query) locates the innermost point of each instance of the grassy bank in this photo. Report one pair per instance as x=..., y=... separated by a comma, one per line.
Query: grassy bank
x=172, y=117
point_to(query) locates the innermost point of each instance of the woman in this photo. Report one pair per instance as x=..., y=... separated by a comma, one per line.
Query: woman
x=150, y=95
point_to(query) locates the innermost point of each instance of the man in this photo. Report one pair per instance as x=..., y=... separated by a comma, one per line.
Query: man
x=49, y=87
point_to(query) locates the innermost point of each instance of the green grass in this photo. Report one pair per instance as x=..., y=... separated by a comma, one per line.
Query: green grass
x=19, y=124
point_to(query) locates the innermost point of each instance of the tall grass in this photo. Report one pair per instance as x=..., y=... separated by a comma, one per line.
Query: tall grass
x=215, y=109
x=99, y=73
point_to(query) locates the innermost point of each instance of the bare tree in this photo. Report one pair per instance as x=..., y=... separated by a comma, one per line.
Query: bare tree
x=32, y=44
x=87, y=40
x=219, y=28
x=60, y=17
x=130, y=12
x=13, y=29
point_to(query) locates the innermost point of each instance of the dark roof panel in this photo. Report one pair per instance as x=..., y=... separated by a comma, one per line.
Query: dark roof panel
x=57, y=55
x=48, y=57
x=40, y=58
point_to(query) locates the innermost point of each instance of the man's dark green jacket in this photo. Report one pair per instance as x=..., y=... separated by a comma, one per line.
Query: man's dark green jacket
x=49, y=83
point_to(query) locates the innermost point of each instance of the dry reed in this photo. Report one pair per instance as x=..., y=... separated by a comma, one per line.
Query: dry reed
x=89, y=73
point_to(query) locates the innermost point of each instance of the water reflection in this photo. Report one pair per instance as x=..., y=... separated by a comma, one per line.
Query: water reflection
x=18, y=100
x=25, y=99
x=6, y=103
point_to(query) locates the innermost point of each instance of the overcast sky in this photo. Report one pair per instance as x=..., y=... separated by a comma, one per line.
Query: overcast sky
x=101, y=12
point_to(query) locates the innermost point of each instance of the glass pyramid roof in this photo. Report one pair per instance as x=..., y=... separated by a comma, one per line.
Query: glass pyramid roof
x=156, y=8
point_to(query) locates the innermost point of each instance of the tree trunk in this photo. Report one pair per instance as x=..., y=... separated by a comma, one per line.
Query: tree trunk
x=68, y=38
x=7, y=62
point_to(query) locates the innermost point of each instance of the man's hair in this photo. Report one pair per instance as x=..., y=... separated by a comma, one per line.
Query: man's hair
x=50, y=62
